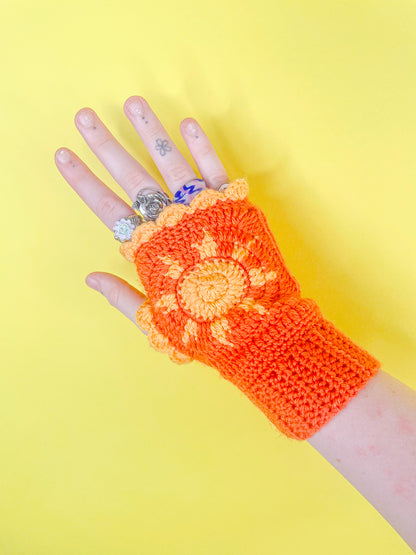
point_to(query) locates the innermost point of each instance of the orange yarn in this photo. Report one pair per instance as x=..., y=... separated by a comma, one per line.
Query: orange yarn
x=219, y=292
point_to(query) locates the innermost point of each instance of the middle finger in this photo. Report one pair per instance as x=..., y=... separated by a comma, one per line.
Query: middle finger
x=171, y=163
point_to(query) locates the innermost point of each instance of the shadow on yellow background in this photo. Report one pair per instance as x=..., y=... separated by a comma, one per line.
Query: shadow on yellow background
x=106, y=446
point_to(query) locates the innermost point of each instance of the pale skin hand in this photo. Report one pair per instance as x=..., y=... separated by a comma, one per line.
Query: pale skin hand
x=372, y=441
x=132, y=177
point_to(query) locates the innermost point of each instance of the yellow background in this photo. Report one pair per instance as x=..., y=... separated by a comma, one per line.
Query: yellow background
x=108, y=448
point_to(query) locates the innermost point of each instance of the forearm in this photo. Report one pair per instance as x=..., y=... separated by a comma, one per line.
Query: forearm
x=372, y=443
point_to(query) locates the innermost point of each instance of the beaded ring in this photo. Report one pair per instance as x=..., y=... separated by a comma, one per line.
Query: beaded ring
x=189, y=191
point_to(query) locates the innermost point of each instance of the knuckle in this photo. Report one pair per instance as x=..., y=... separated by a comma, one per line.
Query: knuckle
x=205, y=149
x=133, y=181
x=180, y=174
x=113, y=296
x=106, y=207
x=102, y=143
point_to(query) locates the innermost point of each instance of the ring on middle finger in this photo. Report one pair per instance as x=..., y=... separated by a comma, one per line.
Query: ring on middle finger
x=150, y=203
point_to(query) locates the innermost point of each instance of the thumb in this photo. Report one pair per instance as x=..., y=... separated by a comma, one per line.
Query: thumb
x=118, y=293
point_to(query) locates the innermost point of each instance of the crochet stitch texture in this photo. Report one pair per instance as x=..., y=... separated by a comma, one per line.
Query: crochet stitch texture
x=219, y=292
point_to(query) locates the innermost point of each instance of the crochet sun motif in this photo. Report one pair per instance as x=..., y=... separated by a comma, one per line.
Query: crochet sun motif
x=204, y=265
x=207, y=291
x=218, y=291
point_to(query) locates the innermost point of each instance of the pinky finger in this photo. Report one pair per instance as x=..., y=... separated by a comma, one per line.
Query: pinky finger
x=209, y=165
x=118, y=293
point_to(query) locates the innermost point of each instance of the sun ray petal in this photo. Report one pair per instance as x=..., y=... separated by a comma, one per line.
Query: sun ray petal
x=250, y=304
x=218, y=329
x=191, y=328
x=144, y=316
x=162, y=344
x=175, y=269
x=208, y=247
x=168, y=302
x=258, y=276
x=241, y=251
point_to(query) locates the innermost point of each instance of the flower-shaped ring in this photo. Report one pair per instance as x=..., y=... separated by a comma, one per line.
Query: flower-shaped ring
x=150, y=203
x=123, y=228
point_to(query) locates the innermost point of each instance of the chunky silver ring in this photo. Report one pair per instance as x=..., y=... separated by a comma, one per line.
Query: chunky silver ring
x=150, y=203
x=222, y=187
x=187, y=192
x=123, y=228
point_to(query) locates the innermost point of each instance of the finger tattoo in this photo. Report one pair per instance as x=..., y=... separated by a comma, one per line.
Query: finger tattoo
x=162, y=145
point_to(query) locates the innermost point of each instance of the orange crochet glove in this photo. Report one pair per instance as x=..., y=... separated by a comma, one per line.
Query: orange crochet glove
x=219, y=292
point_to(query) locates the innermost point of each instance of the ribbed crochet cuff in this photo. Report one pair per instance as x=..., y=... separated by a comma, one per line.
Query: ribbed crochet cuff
x=298, y=368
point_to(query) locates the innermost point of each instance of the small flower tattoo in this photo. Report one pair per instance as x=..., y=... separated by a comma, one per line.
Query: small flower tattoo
x=162, y=146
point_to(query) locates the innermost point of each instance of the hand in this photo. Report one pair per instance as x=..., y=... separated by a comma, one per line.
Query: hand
x=132, y=177
x=218, y=289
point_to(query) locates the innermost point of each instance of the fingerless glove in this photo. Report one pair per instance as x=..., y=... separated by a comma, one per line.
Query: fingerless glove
x=218, y=291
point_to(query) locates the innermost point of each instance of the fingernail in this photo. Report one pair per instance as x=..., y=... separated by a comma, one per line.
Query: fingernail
x=63, y=155
x=191, y=128
x=86, y=119
x=135, y=107
x=91, y=282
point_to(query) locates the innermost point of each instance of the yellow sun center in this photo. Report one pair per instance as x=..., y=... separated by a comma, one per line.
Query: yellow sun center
x=212, y=287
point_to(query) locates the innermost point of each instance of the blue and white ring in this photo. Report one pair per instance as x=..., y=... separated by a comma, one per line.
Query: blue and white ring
x=187, y=192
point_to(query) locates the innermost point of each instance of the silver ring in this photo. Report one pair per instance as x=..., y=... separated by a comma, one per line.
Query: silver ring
x=187, y=192
x=150, y=203
x=123, y=228
x=222, y=187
